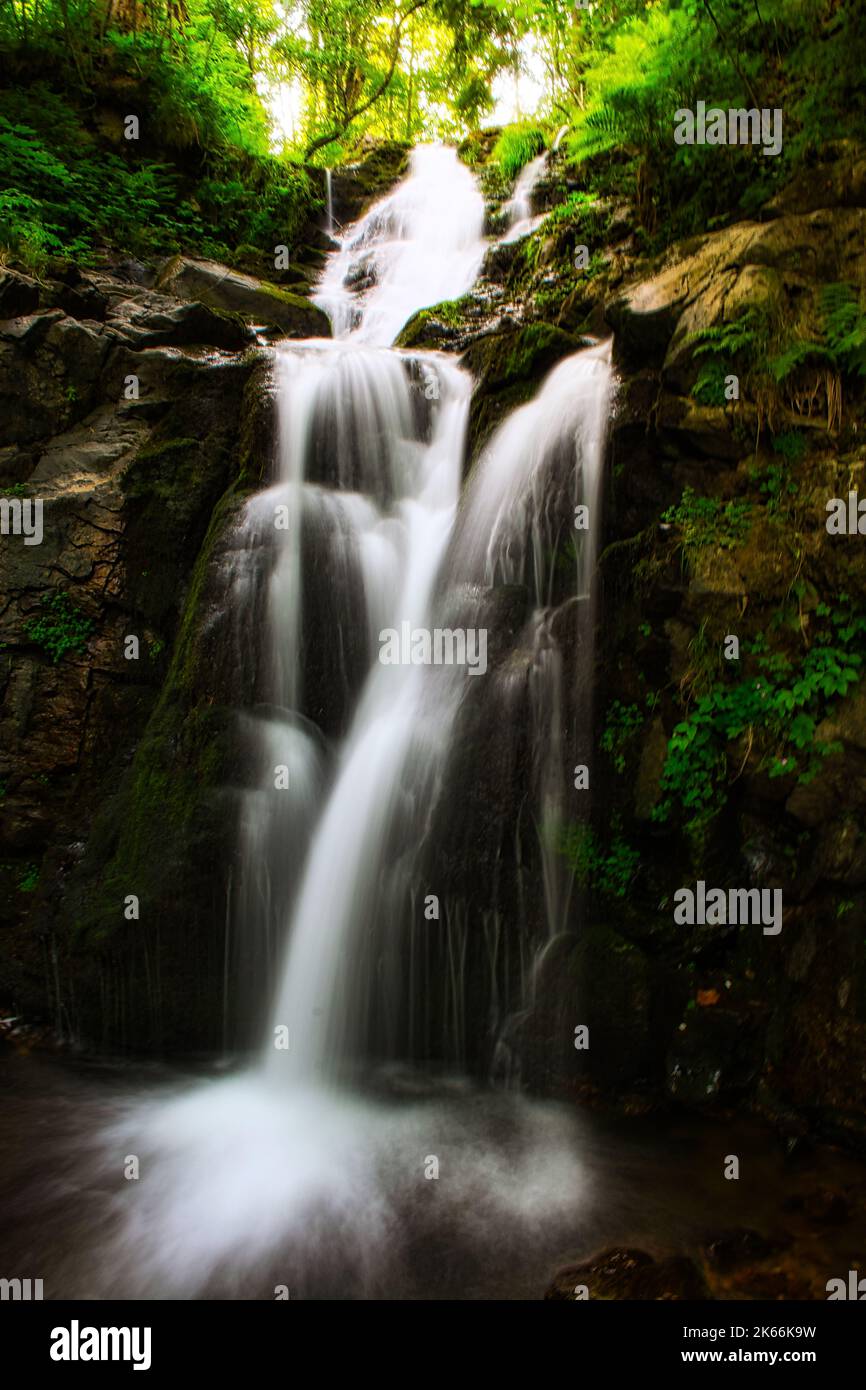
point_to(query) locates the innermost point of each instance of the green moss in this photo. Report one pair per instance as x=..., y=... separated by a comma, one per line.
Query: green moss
x=707, y=521
x=451, y=313
x=608, y=866
x=296, y=301
x=777, y=702
x=537, y=345
x=168, y=446
x=146, y=840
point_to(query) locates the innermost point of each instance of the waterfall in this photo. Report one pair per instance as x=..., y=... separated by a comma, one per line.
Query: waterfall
x=341, y=833
x=346, y=870
x=329, y=203
x=518, y=209
x=420, y=245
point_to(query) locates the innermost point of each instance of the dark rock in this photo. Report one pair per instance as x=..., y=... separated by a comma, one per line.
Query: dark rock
x=354, y=187
x=630, y=1274
x=18, y=294
x=718, y=1052
x=731, y=1249
x=152, y=321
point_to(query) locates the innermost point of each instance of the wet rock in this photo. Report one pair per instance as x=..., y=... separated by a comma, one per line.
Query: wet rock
x=82, y=301
x=158, y=321
x=508, y=366
x=824, y=1206
x=599, y=979
x=354, y=187
x=731, y=1249
x=716, y=1052
x=630, y=1274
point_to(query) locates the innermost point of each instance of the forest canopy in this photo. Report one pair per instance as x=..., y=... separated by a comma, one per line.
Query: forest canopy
x=240, y=99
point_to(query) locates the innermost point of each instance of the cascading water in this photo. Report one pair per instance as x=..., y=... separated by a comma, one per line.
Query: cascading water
x=329, y=202
x=419, y=246
x=518, y=209
x=254, y=1172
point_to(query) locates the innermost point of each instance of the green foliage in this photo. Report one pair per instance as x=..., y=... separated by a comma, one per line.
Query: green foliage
x=577, y=209
x=29, y=880
x=707, y=521
x=61, y=629
x=791, y=444
x=372, y=68
x=622, y=71
x=731, y=348
x=779, y=706
x=607, y=868
x=516, y=146
x=621, y=724
x=67, y=194
x=842, y=342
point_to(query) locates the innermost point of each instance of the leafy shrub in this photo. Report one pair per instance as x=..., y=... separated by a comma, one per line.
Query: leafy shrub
x=780, y=707
x=608, y=868
x=705, y=521
x=516, y=146
x=61, y=628
x=621, y=724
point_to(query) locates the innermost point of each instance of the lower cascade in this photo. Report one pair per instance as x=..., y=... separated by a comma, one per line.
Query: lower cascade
x=383, y=981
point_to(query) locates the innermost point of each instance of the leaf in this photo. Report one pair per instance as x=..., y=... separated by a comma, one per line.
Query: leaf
x=707, y=997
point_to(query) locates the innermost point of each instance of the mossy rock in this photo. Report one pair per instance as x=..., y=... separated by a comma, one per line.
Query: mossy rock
x=439, y=323
x=167, y=837
x=509, y=367
x=256, y=301
x=355, y=187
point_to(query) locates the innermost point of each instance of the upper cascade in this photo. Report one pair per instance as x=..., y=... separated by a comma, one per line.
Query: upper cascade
x=422, y=244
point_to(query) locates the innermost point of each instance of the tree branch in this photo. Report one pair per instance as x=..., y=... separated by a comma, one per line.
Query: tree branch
x=336, y=131
x=733, y=57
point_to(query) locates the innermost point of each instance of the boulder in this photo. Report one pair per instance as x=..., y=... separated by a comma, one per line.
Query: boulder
x=255, y=301
x=18, y=294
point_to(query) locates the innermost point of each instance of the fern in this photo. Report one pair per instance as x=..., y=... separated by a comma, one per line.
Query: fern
x=796, y=356
x=843, y=330
x=844, y=326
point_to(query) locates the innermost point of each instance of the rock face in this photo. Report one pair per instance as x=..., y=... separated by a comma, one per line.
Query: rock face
x=779, y=1021
x=136, y=420
x=256, y=301
x=354, y=187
